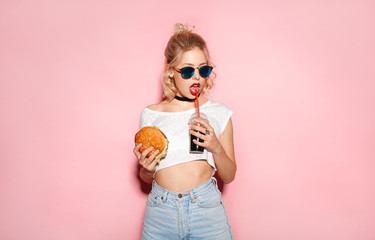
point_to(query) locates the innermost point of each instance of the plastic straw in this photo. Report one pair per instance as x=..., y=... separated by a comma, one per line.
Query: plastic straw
x=197, y=102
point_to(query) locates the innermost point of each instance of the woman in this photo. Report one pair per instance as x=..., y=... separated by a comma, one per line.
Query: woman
x=184, y=202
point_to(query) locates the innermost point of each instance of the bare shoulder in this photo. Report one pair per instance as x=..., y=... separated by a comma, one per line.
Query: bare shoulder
x=160, y=107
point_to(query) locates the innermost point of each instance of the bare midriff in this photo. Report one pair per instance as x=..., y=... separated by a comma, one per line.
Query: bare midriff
x=184, y=176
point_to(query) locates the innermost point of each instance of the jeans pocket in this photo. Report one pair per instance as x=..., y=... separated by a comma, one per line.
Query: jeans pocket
x=209, y=200
x=153, y=200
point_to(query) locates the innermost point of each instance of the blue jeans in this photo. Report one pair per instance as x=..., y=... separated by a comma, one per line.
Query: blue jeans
x=195, y=214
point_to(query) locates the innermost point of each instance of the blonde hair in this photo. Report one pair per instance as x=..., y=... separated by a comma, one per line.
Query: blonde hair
x=182, y=40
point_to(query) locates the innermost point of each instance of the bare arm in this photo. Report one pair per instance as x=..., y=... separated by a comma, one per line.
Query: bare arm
x=146, y=176
x=224, y=155
x=222, y=149
x=148, y=164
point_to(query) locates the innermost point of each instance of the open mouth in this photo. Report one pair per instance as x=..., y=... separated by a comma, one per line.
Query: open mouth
x=195, y=88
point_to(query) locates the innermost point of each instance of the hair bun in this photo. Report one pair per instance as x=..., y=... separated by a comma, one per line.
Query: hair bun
x=179, y=28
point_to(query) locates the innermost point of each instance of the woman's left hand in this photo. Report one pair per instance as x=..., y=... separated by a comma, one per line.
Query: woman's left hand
x=211, y=143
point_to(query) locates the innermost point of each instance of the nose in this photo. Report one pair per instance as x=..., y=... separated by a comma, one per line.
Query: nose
x=196, y=75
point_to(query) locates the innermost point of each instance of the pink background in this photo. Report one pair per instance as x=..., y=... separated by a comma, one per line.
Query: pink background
x=299, y=75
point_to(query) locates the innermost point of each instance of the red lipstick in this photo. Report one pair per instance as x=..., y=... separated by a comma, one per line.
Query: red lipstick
x=195, y=88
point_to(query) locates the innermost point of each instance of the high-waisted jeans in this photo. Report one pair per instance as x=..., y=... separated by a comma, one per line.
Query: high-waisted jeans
x=195, y=214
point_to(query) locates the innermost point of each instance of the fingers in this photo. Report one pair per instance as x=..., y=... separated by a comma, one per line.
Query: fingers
x=152, y=160
x=136, y=150
x=149, y=163
x=199, y=134
x=204, y=131
x=144, y=154
x=202, y=126
x=202, y=122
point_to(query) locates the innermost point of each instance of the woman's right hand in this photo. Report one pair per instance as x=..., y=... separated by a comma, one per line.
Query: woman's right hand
x=148, y=163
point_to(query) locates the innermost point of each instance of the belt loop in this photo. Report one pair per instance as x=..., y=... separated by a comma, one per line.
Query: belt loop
x=164, y=197
x=215, y=181
x=153, y=183
x=192, y=196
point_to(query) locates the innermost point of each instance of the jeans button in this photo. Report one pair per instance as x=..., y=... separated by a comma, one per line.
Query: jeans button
x=180, y=195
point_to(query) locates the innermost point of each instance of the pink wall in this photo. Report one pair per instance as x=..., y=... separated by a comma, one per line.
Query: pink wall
x=74, y=76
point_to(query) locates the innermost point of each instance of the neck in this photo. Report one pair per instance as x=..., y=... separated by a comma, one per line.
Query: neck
x=185, y=99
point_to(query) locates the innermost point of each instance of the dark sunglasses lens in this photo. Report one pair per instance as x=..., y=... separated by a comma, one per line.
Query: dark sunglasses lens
x=187, y=72
x=205, y=71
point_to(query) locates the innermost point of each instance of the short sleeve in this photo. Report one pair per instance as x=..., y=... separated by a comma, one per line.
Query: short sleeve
x=145, y=119
x=226, y=115
x=218, y=116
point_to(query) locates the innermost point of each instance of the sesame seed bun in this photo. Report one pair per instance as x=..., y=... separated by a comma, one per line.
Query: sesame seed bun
x=152, y=136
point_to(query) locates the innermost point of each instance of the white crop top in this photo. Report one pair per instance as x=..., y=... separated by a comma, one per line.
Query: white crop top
x=175, y=126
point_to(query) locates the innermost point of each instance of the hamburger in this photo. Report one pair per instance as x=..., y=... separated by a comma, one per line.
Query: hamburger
x=152, y=136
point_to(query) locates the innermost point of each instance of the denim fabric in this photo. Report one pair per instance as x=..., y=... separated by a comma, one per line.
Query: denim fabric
x=195, y=214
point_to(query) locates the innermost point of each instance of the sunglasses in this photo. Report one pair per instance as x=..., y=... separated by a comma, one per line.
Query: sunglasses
x=188, y=72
